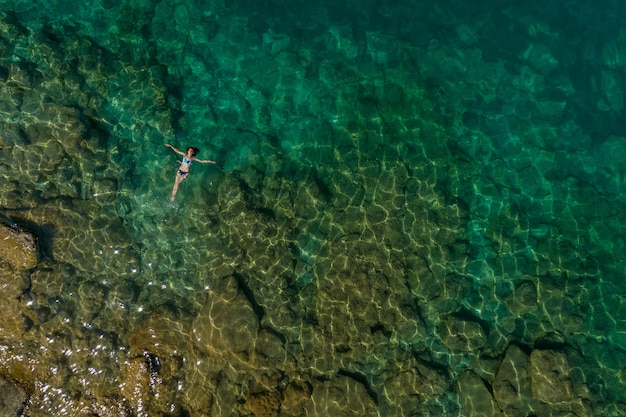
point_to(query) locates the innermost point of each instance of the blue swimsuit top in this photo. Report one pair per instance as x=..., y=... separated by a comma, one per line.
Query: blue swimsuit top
x=186, y=161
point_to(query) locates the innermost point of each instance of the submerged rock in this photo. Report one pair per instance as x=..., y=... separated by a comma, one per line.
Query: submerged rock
x=135, y=384
x=18, y=248
x=549, y=373
x=227, y=322
x=12, y=398
x=511, y=387
x=339, y=396
x=552, y=383
x=13, y=323
x=474, y=395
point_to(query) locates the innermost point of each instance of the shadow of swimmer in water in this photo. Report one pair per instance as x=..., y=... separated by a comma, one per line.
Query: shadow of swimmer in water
x=185, y=165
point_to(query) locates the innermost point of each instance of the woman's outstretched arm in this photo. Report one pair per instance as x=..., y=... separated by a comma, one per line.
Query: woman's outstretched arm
x=174, y=149
x=205, y=161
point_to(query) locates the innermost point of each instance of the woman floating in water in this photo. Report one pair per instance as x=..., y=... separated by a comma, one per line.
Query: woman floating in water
x=183, y=170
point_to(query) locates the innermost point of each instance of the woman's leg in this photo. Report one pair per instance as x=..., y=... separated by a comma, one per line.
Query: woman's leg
x=179, y=179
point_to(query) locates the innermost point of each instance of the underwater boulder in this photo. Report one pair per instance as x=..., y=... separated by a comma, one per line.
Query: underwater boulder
x=17, y=247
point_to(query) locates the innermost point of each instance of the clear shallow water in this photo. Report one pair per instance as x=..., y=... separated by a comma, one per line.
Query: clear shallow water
x=418, y=209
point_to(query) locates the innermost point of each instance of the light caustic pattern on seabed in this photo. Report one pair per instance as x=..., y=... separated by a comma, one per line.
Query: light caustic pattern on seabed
x=376, y=244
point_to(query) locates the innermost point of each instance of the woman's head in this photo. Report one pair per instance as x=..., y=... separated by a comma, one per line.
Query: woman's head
x=194, y=151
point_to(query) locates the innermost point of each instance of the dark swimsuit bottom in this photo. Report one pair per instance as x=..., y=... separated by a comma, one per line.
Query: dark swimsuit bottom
x=186, y=161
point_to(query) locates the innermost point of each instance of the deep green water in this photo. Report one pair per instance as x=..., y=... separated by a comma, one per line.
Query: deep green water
x=418, y=208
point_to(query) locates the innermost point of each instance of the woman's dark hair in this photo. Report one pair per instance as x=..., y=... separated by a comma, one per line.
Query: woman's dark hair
x=194, y=151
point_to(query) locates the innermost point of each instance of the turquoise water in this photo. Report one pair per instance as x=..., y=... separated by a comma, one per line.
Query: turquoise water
x=418, y=209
